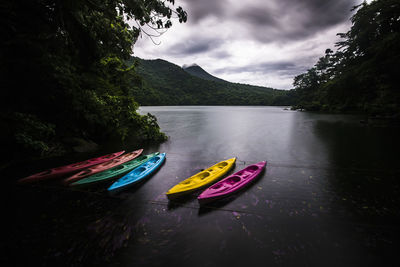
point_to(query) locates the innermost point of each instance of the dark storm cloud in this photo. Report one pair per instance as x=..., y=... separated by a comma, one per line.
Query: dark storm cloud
x=290, y=20
x=281, y=67
x=258, y=16
x=274, y=20
x=221, y=54
x=195, y=46
x=316, y=14
x=199, y=9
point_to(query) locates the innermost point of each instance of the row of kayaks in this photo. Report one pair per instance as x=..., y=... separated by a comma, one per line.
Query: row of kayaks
x=134, y=168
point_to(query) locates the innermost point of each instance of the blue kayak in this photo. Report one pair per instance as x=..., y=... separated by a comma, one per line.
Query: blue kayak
x=139, y=173
x=115, y=171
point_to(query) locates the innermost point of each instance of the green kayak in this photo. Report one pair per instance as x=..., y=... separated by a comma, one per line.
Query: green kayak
x=113, y=172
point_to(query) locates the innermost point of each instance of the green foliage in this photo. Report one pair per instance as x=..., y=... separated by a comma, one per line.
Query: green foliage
x=63, y=70
x=361, y=75
x=28, y=133
x=172, y=85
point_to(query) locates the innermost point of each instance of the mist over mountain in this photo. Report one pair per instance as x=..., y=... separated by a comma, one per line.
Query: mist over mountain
x=198, y=71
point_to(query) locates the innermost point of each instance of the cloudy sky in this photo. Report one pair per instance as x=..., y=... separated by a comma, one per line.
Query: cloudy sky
x=259, y=42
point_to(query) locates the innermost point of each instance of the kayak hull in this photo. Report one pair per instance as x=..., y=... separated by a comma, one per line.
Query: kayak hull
x=102, y=167
x=115, y=171
x=138, y=174
x=201, y=179
x=232, y=184
x=68, y=169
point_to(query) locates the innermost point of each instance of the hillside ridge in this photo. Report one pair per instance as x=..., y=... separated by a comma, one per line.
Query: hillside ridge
x=165, y=83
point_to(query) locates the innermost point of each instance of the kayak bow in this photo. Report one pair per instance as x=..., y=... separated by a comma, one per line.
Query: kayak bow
x=139, y=173
x=115, y=171
x=102, y=167
x=68, y=169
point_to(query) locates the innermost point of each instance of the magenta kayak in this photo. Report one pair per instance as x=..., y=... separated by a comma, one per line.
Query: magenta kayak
x=68, y=169
x=232, y=183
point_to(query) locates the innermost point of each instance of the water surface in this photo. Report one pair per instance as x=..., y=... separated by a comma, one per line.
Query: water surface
x=329, y=197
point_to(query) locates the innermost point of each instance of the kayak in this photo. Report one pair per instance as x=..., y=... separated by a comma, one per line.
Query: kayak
x=102, y=167
x=115, y=171
x=232, y=183
x=201, y=179
x=139, y=173
x=68, y=169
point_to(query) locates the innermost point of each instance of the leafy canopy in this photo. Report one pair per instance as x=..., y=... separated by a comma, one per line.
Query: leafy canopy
x=62, y=66
x=362, y=74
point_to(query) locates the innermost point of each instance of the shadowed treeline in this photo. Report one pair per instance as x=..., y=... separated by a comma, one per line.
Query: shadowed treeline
x=361, y=76
x=63, y=73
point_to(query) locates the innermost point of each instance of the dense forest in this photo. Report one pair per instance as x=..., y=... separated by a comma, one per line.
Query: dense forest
x=64, y=76
x=362, y=74
x=165, y=83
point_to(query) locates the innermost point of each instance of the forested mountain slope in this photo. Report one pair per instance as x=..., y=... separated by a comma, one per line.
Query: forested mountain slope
x=165, y=83
x=198, y=71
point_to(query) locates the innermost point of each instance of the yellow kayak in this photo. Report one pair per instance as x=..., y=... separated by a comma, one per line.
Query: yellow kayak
x=202, y=178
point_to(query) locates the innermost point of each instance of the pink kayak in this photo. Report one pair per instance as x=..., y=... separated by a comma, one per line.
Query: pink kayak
x=68, y=169
x=232, y=183
x=102, y=167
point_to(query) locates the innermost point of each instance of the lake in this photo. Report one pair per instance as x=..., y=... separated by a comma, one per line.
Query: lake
x=330, y=196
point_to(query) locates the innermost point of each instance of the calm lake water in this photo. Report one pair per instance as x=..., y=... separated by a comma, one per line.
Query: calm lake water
x=329, y=197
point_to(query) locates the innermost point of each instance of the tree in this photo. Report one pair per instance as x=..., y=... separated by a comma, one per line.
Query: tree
x=362, y=74
x=62, y=65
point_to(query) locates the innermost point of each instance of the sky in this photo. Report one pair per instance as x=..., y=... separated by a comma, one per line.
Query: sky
x=258, y=42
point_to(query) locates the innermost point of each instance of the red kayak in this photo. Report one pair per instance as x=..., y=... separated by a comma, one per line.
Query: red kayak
x=102, y=167
x=68, y=169
x=232, y=183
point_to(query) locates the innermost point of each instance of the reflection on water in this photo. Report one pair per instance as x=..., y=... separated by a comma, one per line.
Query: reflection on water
x=366, y=166
x=329, y=197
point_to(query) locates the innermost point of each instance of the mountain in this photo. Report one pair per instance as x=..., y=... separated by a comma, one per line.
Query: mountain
x=164, y=83
x=197, y=71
